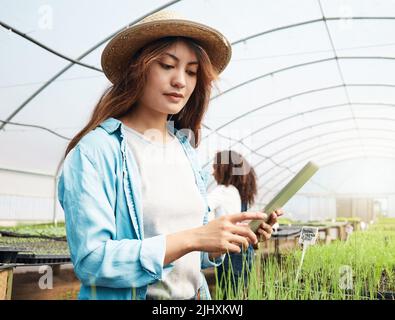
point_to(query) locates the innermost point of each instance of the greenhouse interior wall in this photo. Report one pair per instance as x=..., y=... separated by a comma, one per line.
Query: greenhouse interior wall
x=27, y=197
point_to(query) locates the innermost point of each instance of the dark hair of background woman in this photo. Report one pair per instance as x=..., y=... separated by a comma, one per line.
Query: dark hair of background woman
x=230, y=168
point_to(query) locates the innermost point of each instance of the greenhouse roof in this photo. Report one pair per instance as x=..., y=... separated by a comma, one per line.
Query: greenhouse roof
x=308, y=80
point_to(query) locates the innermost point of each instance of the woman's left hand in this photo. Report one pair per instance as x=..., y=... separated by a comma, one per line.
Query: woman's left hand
x=265, y=229
x=274, y=215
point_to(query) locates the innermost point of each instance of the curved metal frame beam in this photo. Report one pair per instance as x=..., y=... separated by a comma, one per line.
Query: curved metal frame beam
x=57, y=75
x=384, y=85
x=310, y=138
x=313, y=137
x=107, y=38
x=339, y=69
x=36, y=127
x=233, y=43
x=26, y=172
x=322, y=123
x=296, y=66
x=160, y=8
x=56, y=53
x=239, y=141
x=318, y=124
x=299, y=24
x=389, y=105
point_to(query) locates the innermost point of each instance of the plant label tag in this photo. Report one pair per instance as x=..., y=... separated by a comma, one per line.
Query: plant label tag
x=308, y=235
x=349, y=229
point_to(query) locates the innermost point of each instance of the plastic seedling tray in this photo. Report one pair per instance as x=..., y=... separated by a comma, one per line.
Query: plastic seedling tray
x=8, y=254
x=284, y=232
x=42, y=259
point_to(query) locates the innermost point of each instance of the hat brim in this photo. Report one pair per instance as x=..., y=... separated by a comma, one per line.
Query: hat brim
x=118, y=52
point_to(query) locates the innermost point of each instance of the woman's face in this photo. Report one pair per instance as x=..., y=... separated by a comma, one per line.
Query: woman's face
x=170, y=80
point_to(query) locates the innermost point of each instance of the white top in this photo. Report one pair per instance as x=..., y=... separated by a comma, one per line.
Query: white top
x=171, y=203
x=223, y=200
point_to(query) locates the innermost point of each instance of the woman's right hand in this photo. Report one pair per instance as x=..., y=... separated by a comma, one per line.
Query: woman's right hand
x=226, y=233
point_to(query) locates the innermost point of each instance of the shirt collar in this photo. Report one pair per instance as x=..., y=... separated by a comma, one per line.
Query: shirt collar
x=111, y=125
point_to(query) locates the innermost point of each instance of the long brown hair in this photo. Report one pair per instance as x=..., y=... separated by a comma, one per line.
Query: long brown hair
x=120, y=98
x=231, y=168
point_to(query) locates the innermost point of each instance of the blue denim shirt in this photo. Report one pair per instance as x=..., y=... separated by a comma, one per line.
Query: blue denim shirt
x=100, y=192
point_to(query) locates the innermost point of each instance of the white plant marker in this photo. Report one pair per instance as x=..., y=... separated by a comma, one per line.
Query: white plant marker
x=308, y=237
x=349, y=230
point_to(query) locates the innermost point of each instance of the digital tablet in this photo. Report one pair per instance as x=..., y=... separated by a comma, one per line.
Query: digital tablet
x=287, y=192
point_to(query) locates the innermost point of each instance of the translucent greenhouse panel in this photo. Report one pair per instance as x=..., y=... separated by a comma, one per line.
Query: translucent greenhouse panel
x=345, y=143
x=30, y=149
x=25, y=63
x=370, y=37
x=354, y=149
x=252, y=17
x=326, y=116
x=273, y=51
x=25, y=184
x=214, y=142
x=266, y=193
x=26, y=196
x=46, y=26
x=76, y=93
x=12, y=95
x=338, y=159
x=379, y=133
x=378, y=121
x=333, y=8
x=49, y=20
x=375, y=71
x=353, y=177
x=365, y=111
x=266, y=94
x=287, y=133
x=325, y=141
x=26, y=66
x=287, y=110
x=279, y=176
x=14, y=208
x=356, y=176
x=308, y=208
x=373, y=94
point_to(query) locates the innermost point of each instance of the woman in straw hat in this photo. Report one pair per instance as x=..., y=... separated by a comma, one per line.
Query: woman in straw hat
x=131, y=188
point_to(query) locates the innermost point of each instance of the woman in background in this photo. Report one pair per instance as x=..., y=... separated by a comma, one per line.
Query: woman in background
x=235, y=191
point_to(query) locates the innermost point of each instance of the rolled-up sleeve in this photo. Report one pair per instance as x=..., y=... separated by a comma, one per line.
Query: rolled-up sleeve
x=99, y=259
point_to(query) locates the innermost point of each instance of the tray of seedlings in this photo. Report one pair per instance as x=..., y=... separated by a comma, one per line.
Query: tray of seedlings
x=37, y=244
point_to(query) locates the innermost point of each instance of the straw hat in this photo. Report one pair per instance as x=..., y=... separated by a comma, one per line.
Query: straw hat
x=121, y=48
